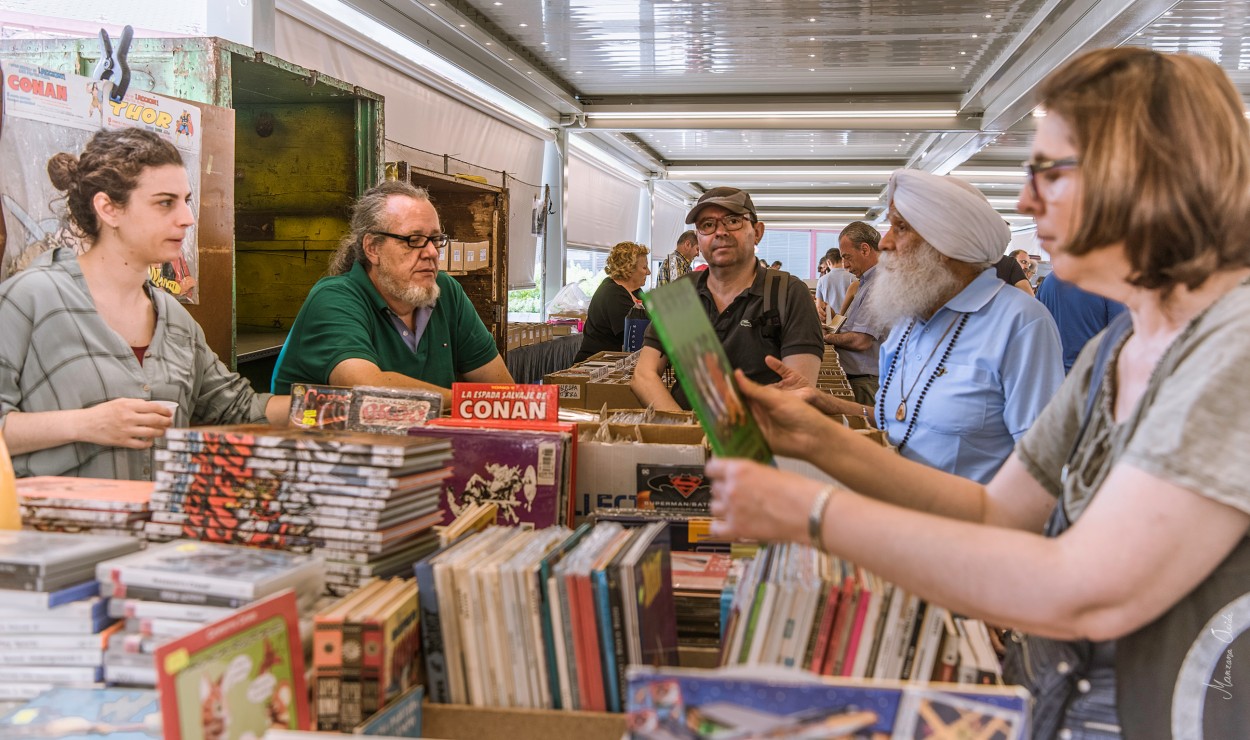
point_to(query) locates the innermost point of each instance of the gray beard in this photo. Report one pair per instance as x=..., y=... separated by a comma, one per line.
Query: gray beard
x=414, y=295
x=907, y=288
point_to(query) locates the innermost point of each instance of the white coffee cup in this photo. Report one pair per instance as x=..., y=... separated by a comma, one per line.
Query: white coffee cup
x=171, y=405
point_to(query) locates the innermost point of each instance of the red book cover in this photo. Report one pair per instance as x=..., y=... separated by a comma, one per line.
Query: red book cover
x=504, y=402
x=825, y=628
x=589, y=666
x=241, y=674
x=857, y=623
x=840, y=622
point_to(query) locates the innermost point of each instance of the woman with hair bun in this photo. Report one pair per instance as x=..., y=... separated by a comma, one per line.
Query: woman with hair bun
x=90, y=345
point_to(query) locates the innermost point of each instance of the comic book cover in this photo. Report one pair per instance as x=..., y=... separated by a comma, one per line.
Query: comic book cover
x=82, y=714
x=391, y=410
x=319, y=406
x=249, y=465
x=704, y=372
x=524, y=472
x=237, y=677
x=504, y=402
x=676, y=488
x=759, y=702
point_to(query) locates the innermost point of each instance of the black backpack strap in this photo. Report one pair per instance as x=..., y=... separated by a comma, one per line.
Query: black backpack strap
x=1115, y=331
x=776, y=289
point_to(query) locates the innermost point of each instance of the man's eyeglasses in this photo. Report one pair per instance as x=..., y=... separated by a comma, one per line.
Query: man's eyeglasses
x=732, y=222
x=1033, y=169
x=418, y=241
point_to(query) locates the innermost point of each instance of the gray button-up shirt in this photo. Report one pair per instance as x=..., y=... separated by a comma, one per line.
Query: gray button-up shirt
x=57, y=353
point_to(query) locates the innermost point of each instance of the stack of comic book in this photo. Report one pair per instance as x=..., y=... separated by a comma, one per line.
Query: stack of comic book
x=175, y=588
x=84, y=505
x=365, y=502
x=53, y=621
x=546, y=618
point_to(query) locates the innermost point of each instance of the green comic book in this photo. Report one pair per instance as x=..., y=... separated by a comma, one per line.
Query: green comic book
x=704, y=372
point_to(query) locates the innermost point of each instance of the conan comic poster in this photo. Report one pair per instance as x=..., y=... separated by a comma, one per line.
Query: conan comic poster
x=48, y=111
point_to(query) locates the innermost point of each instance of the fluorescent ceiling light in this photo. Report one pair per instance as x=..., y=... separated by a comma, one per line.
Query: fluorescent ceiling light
x=779, y=199
x=1005, y=172
x=605, y=159
x=777, y=215
x=718, y=115
x=799, y=173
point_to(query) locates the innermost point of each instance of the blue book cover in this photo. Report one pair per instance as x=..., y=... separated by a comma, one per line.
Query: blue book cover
x=41, y=600
x=431, y=626
x=769, y=702
x=86, y=714
x=400, y=718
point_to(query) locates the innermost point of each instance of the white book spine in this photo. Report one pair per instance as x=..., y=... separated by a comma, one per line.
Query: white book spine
x=51, y=657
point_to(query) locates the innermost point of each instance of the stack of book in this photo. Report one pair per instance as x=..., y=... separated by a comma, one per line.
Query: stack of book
x=699, y=580
x=172, y=589
x=797, y=607
x=562, y=613
x=51, y=615
x=84, y=505
x=366, y=502
x=366, y=650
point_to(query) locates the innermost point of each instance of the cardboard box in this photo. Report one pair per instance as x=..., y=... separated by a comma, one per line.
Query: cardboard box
x=571, y=389
x=476, y=254
x=561, y=330
x=462, y=722
x=607, y=472
x=456, y=262
x=611, y=395
x=443, y=258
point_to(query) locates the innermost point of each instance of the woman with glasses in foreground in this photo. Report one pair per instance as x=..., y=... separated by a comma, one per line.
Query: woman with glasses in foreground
x=1140, y=188
x=94, y=359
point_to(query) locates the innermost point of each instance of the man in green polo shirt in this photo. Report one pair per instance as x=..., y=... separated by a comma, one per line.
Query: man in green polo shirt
x=386, y=316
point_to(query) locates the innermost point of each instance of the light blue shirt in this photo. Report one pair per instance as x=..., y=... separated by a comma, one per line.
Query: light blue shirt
x=863, y=362
x=831, y=288
x=1002, y=370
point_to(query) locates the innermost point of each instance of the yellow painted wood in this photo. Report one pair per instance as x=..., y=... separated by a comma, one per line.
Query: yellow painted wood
x=295, y=158
x=287, y=246
x=271, y=286
x=310, y=227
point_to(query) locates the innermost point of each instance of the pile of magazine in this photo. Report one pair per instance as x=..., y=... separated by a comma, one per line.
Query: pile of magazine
x=173, y=589
x=546, y=618
x=365, y=502
x=52, y=618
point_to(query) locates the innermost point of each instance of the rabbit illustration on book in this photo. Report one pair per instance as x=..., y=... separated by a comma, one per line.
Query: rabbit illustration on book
x=213, y=715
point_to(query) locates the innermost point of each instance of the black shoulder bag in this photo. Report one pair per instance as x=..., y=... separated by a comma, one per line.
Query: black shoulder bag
x=1072, y=682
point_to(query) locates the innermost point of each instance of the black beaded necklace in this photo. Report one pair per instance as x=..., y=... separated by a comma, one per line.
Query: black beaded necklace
x=937, y=372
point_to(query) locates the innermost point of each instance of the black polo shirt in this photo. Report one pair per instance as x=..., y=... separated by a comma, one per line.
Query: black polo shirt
x=746, y=338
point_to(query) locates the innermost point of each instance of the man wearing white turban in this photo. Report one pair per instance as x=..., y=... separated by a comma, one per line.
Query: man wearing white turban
x=969, y=363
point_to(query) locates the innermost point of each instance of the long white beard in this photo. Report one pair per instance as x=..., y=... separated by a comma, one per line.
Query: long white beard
x=417, y=296
x=906, y=288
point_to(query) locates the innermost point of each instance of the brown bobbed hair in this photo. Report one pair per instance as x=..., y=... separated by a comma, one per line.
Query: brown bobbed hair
x=111, y=163
x=623, y=258
x=1165, y=162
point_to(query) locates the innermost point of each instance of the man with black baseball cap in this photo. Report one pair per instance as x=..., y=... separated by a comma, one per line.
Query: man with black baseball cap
x=733, y=292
